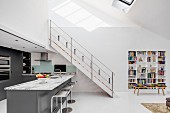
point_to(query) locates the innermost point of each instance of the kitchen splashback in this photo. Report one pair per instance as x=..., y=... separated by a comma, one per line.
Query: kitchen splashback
x=47, y=67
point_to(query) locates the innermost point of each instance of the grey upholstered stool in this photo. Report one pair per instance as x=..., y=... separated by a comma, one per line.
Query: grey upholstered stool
x=62, y=94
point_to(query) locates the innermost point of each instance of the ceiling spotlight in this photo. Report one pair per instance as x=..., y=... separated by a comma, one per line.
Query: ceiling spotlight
x=16, y=40
x=23, y=47
x=35, y=47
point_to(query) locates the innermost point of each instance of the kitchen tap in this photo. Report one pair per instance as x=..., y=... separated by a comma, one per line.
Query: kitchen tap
x=59, y=73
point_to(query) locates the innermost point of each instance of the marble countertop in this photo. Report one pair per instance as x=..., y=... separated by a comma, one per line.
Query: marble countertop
x=41, y=84
x=31, y=75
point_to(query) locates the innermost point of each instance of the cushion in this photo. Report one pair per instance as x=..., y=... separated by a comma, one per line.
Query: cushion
x=168, y=99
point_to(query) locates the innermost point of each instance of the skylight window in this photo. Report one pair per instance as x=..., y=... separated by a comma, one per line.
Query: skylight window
x=90, y=23
x=123, y=5
x=67, y=9
x=79, y=16
x=128, y=2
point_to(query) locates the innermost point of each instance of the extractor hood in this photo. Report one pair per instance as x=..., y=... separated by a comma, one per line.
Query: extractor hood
x=44, y=57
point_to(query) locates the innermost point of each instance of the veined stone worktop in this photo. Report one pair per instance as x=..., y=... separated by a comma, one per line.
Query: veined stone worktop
x=35, y=96
x=49, y=84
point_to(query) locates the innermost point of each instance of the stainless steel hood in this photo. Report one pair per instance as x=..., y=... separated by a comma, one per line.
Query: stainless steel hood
x=44, y=57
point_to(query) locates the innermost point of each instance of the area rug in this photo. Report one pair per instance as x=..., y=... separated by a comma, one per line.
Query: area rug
x=156, y=107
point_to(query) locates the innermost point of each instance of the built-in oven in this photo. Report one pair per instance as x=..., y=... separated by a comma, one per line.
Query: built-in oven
x=5, y=68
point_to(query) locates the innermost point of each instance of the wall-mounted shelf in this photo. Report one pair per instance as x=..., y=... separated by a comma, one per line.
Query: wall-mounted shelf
x=26, y=63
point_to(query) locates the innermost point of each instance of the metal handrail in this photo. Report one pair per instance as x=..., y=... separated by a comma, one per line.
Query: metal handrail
x=87, y=57
x=82, y=46
x=74, y=46
x=87, y=65
x=81, y=53
x=71, y=37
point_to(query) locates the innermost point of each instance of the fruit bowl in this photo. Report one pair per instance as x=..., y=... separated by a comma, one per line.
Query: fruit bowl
x=42, y=75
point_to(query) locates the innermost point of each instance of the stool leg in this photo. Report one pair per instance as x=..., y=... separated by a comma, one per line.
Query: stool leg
x=66, y=104
x=52, y=105
x=61, y=106
x=67, y=109
x=71, y=100
x=70, y=95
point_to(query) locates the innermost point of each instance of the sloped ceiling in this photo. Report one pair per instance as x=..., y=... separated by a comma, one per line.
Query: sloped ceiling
x=12, y=41
x=153, y=15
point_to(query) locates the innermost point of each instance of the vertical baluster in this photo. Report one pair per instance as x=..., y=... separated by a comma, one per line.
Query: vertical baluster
x=75, y=51
x=71, y=50
x=50, y=32
x=109, y=80
x=58, y=37
x=66, y=44
x=92, y=67
x=83, y=58
x=112, y=84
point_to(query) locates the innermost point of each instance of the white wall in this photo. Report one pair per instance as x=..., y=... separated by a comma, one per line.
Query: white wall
x=27, y=17
x=153, y=15
x=57, y=58
x=111, y=45
x=84, y=84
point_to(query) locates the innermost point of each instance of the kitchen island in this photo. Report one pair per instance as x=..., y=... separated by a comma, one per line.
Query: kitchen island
x=34, y=96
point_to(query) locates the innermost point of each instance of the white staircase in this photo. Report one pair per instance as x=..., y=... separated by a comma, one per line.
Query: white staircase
x=81, y=58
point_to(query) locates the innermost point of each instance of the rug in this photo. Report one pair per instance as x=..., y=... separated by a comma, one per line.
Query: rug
x=156, y=107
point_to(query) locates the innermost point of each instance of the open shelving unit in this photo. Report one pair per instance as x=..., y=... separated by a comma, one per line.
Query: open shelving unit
x=26, y=63
x=146, y=67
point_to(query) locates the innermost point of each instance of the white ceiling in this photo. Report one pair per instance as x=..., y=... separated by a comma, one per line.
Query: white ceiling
x=153, y=15
x=9, y=41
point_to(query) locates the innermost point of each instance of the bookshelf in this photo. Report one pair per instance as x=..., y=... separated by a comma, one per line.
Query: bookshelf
x=146, y=67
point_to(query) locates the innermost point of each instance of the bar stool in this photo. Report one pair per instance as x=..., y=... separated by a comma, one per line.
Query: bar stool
x=71, y=100
x=69, y=87
x=62, y=94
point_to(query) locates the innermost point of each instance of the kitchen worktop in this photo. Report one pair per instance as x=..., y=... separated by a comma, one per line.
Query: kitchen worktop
x=38, y=84
x=29, y=75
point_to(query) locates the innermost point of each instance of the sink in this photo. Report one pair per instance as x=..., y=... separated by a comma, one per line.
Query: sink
x=54, y=77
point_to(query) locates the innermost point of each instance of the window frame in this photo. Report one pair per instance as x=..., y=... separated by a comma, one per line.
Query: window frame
x=127, y=3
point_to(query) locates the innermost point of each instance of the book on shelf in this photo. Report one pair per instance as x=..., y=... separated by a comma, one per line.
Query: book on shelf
x=151, y=75
x=161, y=53
x=132, y=53
x=141, y=81
x=132, y=72
x=161, y=80
x=160, y=72
x=131, y=62
x=151, y=53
